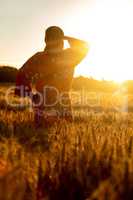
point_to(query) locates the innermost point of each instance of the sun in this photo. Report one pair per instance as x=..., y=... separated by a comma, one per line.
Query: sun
x=109, y=34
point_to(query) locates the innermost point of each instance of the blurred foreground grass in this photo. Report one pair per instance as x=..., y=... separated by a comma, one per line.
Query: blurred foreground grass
x=91, y=158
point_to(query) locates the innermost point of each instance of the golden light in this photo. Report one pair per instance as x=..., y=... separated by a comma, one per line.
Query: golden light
x=108, y=29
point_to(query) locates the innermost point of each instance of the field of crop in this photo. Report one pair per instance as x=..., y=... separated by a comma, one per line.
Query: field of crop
x=88, y=159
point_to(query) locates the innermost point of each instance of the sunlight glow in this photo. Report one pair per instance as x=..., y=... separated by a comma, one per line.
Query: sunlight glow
x=105, y=24
x=109, y=31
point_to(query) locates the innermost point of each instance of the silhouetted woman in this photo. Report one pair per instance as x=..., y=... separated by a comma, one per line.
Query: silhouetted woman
x=52, y=72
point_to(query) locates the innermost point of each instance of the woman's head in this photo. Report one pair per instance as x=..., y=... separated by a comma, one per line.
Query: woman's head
x=54, y=38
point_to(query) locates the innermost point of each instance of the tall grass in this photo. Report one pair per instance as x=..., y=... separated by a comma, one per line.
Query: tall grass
x=88, y=159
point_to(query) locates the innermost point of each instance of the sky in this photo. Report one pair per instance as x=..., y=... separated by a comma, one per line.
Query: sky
x=105, y=24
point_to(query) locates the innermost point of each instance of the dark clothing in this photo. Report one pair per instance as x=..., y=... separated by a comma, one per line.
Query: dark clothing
x=53, y=70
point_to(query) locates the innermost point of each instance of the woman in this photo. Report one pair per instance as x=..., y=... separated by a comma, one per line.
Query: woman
x=52, y=72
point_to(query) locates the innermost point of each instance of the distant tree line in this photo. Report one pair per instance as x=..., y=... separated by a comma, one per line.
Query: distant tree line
x=8, y=74
x=94, y=85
